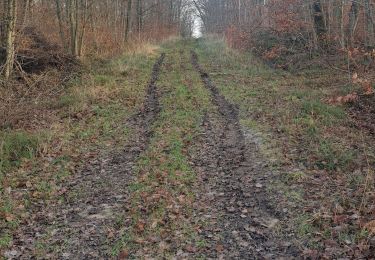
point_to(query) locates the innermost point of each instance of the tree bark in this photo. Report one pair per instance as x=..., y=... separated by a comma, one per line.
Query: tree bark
x=128, y=19
x=353, y=21
x=10, y=37
x=61, y=24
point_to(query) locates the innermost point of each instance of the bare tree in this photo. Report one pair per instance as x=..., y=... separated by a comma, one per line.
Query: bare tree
x=11, y=10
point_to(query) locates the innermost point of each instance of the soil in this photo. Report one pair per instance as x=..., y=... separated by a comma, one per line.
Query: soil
x=235, y=177
x=234, y=201
x=363, y=113
x=85, y=224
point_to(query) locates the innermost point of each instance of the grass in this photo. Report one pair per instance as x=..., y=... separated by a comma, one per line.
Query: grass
x=306, y=134
x=14, y=147
x=293, y=123
x=87, y=118
x=165, y=188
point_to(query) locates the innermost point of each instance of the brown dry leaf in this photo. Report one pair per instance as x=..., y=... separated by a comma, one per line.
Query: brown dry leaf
x=191, y=249
x=140, y=241
x=111, y=234
x=344, y=99
x=371, y=227
x=368, y=90
x=350, y=98
x=181, y=198
x=9, y=217
x=219, y=248
x=123, y=255
x=141, y=226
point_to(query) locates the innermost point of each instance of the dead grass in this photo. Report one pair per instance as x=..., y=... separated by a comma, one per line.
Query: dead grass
x=56, y=128
x=164, y=192
x=307, y=134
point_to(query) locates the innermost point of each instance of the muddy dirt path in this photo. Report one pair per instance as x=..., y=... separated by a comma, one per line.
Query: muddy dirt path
x=242, y=222
x=86, y=225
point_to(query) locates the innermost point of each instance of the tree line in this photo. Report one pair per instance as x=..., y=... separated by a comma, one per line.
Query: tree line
x=84, y=26
x=319, y=23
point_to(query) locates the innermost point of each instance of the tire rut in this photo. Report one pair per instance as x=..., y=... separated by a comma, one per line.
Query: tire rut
x=242, y=222
x=86, y=225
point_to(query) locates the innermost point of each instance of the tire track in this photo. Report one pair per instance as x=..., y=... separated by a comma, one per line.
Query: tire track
x=234, y=176
x=86, y=224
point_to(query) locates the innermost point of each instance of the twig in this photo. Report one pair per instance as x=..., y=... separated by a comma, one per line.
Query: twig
x=368, y=177
x=22, y=72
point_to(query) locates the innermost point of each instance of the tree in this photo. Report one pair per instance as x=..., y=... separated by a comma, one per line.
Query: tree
x=128, y=20
x=11, y=10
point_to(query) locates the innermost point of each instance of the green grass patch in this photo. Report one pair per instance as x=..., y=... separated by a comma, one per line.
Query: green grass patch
x=303, y=129
x=87, y=118
x=15, y=146
x=164, y=189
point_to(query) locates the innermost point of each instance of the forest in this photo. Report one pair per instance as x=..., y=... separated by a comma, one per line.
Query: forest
x=187, y=129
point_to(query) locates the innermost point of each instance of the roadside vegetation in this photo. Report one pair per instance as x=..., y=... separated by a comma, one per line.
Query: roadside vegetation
x=326, y=160
x=87, y=118
x=122, y=136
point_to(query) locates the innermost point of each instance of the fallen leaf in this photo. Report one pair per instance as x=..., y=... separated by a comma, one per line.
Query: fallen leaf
x=371, y=227
x=141, y=226
x=123, y=255
x=368, y=90
x=219, y=248
x=111, y=234
x=190, y=249
x=9, y=217
x=271, y=223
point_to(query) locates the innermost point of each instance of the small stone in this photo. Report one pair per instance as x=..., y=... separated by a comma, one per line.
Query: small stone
x=258, y=185
x=272, y=223
x=244, y=244
x=11, y=254
x=250, y=229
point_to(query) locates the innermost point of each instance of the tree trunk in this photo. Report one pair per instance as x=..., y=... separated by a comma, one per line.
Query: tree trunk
x=10, y=37
x=61, y=24
x=128, y=19
x=319, y=19
x=369, y=24
x=342, y=30
x=139, y=17
x=353, y=21
x=73, y=27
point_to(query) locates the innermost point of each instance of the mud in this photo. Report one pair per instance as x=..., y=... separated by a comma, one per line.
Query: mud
x=363, y=113
x=242, y=223
x=88, y=222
